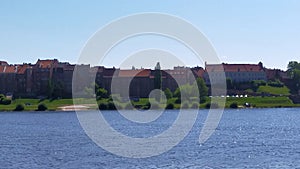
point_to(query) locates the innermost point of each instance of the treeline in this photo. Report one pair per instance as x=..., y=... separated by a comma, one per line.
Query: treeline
x=192, y=95
x=294, y=73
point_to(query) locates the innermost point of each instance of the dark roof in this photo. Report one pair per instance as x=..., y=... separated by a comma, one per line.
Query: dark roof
x=234, y=67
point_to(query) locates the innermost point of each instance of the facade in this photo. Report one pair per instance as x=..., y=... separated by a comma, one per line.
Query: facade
x=236, y=72
x=51, y=78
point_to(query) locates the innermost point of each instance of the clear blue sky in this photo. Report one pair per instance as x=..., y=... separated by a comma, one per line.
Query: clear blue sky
x=241, y=31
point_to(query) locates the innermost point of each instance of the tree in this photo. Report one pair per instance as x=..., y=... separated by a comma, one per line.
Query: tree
x=101, y=93
x=177, y=93
x=168, y=93
x=203, y=89
x=293, y=65
x=294, y=73
x=42, y=107
x=157, y=77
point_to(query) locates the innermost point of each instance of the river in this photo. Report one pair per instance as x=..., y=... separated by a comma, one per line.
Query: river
x=245, y=138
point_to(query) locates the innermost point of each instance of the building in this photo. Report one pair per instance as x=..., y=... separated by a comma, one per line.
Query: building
x=51, y=78
x=236, y=72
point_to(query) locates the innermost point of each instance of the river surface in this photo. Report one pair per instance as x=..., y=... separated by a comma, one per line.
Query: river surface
x=246, y=138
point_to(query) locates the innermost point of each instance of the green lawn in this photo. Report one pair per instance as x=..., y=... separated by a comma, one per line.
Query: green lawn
x=274, y=90
x=32, y=104
x=260, y=102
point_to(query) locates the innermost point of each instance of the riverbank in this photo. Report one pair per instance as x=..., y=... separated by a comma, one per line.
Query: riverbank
x=85, y=104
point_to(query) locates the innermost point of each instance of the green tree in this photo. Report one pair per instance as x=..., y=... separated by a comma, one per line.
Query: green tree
x=177, y=93
x=293, y=65
x=168, y=93
x=101, y=93
x=203, y=89
x=294, y=73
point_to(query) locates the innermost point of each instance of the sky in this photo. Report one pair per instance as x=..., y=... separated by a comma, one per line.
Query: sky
x=240, y=31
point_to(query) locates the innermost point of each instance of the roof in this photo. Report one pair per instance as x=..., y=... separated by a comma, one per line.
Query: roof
x=108, y=72
x=8, y=69
x=234, y=67
x=199, y=72
x=46, y=63
x=3, y=63
x=22, y=68
x=134, y=73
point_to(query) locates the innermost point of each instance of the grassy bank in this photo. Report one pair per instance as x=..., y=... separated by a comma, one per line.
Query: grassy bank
x=53, y=105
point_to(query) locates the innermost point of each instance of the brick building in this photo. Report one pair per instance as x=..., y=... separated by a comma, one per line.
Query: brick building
x=51, y=78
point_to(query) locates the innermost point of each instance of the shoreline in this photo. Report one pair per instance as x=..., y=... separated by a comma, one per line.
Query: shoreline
x=84, y=108
x=143, y=104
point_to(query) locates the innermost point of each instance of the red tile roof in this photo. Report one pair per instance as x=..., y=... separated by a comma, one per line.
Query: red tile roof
x=22, y=68
x=134, y=73
x=234, y=67
x=46, y=63
x=8, y=69
x=198, y=72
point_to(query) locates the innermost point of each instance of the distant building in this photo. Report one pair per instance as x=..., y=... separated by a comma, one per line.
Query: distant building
x=236, y=72
x=8, y=78
x=273, y=74
x=51, y=78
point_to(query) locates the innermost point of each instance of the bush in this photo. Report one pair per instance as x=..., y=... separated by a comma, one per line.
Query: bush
x=128, y=106
x=185, y=105
x=233, y=105
x=42, y=107
x=195, y=105
x=178, y=101
x=2, y=96
x=275, y=83
x=168, y=93
x=111, y=106
x=155, y=106
x=5, y=101
x=146, y=106
x=170, y=106
x=19, y=107
x=211, y=106
x=102, y=106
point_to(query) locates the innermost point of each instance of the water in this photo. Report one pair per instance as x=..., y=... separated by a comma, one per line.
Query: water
x=248, y=138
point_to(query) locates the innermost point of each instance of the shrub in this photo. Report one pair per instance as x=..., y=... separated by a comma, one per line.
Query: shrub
x=42, y=107
x=207, y=106
x=233, y=105
x=203, y=99
x=2, y=96
x=146, y=106
x=185, y=105
x=128, y=106
x=178, y=101
x=5, y=101
x=170, y=106
x=211, y=106
x=102, y=106
x=195, y=105
x=168, y=93
x=155, y=106
x=275, y=83
x=19, y=107
x=111, y=106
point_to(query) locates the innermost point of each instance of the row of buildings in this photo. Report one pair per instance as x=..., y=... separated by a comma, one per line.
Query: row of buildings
x=51, y=78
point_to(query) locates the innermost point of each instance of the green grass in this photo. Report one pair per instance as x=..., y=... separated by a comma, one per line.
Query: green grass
x=259, y=102
x=274, y=90
x=262, y=102
x=32, y=104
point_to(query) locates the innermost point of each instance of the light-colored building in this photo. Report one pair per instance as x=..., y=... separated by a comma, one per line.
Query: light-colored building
x=236, y=72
